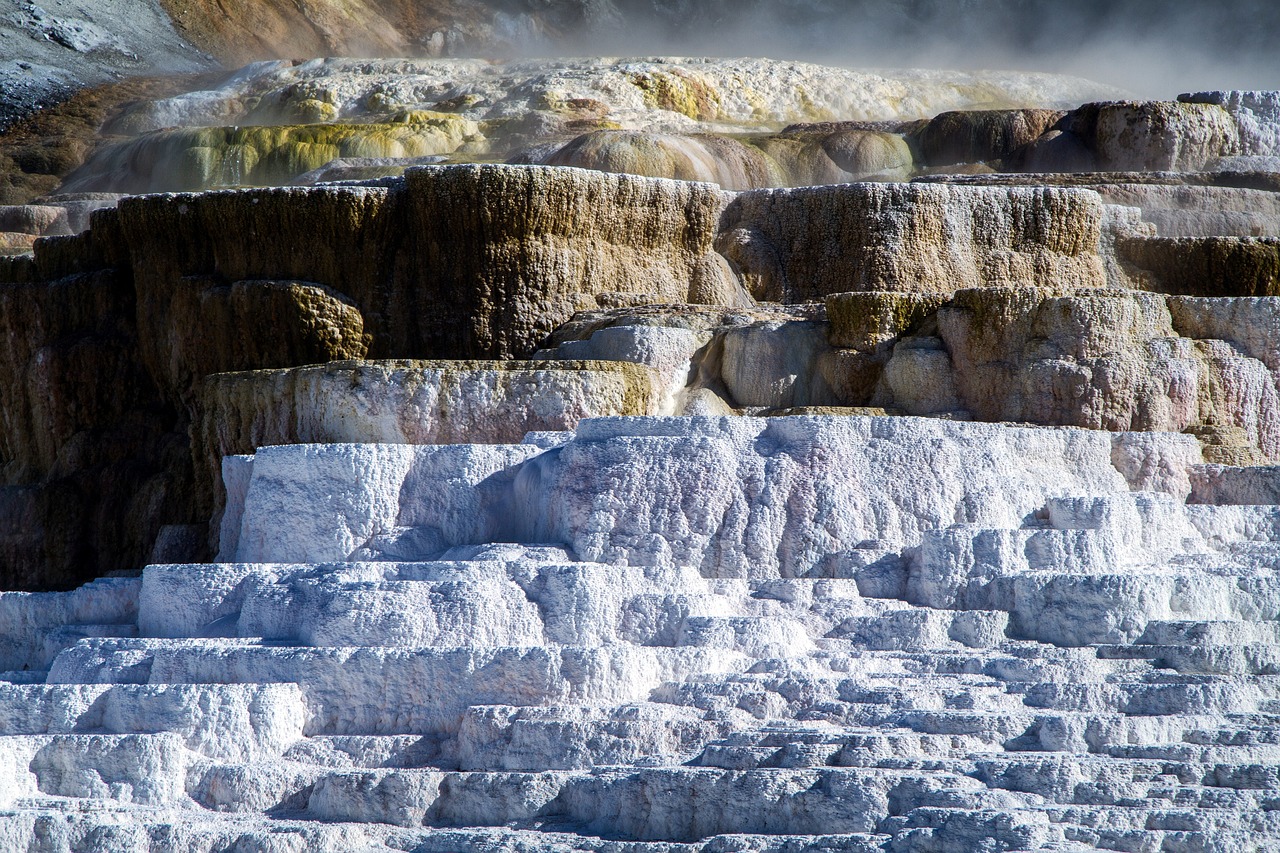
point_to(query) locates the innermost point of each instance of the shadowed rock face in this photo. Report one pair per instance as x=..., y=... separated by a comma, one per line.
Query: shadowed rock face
x=977, y=136
x=463, y=262
x=90, y=463
x=1207, y=266
x=115, y=330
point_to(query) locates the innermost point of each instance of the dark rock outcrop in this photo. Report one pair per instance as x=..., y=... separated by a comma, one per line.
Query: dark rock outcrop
x=949, y=295
x=112, y=332
x=976, y=136
x=1207, y=266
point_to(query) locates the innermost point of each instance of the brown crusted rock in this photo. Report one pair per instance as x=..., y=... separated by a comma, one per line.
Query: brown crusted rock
x=37, y=219
x=1104, y=360
x=240, y=31
x=466, y=261
x=802, y=244
x=16, y=242
x=863, y=321
x=262, y=324
x=112, y=332
x=499, y=256
x=1155, y=135
x=343, y=239
x=1207, y=266
x=67, y=366
x=976, y=136
x=17, y=269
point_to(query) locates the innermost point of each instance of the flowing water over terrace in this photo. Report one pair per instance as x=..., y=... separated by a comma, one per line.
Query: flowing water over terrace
x=712, y=120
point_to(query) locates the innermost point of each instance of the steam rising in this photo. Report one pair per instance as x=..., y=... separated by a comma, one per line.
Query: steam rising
x=1155, y=48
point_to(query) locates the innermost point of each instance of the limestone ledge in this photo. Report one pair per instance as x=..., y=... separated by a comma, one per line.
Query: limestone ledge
x=670, y=635
x=1102, y=358
x=744, y=124
x=115, y=329
x=796, y=245
x=406, y=402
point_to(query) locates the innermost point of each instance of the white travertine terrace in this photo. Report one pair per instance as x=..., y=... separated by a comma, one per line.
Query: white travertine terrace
x=672, y=635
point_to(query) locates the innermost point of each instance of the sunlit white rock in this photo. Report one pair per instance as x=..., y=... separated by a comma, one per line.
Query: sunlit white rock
x=679, y=635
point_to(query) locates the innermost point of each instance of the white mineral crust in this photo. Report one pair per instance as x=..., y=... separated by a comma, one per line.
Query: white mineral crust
x=668, y=635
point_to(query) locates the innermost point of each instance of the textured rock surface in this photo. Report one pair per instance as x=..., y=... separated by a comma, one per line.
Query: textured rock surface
x=451, y=608
x=1257, y=115
x=270, y=123
x=551, y=241
x=405, y=403
x=1207, y=266
x=797, y=245
x=1028, y=641
x=573, y=235
x=54, y=48
x=802, y=155
x=1110, y=360
x=113, y=332
x=85, y=434
x=1156, y=136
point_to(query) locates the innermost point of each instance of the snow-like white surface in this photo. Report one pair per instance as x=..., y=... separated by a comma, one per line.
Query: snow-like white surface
x=668, y=635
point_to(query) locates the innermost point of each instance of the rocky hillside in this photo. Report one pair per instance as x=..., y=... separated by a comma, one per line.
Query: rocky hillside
x=1114, y=300
x=51, y=49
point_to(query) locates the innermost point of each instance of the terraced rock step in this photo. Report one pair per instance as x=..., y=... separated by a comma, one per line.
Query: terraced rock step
x=504, y=646
x=1115, y=301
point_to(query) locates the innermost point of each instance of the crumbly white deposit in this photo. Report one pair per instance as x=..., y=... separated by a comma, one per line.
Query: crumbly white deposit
x=667, y=635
